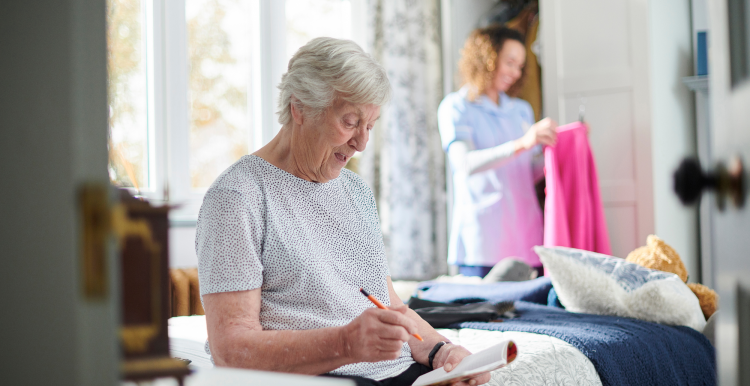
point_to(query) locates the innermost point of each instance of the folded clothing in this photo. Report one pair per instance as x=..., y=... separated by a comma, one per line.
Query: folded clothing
x=535, y=291
x=440, y=315
x=510, y=269
x=624, y=351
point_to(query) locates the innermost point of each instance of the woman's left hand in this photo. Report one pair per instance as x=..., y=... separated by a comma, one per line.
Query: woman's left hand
x=449, y=356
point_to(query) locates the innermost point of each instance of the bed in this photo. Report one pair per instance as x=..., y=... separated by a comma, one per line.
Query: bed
x=542, y=360
x=555, y=347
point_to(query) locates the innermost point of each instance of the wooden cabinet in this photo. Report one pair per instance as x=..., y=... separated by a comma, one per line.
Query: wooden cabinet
x=142, y=239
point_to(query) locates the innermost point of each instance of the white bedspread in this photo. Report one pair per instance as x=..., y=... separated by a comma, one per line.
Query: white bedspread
x=542, y=360
x=187, y=338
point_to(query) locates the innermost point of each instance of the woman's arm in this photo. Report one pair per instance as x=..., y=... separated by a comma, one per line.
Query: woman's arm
x=237, y=339
x=464, y=158
x=469, y=161
x=449, y=356
x=419, y=349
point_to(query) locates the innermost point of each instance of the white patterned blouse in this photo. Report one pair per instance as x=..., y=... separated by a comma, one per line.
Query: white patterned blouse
x=308, y=246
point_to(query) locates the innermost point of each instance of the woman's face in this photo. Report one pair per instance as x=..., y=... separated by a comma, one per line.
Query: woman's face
x=510, y=61
x=331, y=140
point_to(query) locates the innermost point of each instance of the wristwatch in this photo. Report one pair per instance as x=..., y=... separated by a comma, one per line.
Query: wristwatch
x=434, y=351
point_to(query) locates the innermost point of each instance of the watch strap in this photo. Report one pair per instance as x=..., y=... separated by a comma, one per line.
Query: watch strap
x=434, y=351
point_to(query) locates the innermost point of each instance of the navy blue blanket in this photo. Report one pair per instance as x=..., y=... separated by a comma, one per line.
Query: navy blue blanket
x=624, y=351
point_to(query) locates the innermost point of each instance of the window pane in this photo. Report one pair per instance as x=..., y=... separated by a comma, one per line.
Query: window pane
x=219, y=46
x=308, y=19
x=127, y=93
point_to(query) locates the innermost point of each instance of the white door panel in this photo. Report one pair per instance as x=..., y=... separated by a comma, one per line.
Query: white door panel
x=730, y=116
x=621, y=221
x=618, y=192
x=53, y=141
x=597, y=80
x=588, y=59
x=586, y=49
x=610, y=116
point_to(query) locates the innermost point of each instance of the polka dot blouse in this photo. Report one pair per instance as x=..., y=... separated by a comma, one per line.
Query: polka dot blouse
x=309, y=246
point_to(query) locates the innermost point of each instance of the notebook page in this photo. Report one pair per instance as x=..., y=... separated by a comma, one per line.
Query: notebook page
x=488, y=359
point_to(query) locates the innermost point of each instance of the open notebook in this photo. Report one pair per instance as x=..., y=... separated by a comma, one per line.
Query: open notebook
x=489, y=359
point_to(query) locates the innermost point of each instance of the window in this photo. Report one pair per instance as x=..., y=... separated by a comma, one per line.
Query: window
x=308, y=19
x=192, y=85
x=219, y=58
x=128, y=139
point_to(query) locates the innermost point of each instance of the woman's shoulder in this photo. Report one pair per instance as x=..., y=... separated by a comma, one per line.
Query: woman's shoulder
x=454, y=109
x=234, y=193
x=456, y=100
x=243, y=177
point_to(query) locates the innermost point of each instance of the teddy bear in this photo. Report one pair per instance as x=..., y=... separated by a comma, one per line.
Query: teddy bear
x=660, y=256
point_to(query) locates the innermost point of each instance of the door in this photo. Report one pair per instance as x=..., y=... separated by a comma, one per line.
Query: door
x=593, y=62
x=53, y=141
x=729, y=73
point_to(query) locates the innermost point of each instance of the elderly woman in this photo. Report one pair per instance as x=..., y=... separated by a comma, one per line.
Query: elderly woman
x=491, y=140
x=286, y=237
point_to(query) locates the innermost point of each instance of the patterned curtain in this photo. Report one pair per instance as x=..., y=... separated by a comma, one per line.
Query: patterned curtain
x=404, y=162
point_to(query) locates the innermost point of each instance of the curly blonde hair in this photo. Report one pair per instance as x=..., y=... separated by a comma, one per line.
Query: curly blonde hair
x=479, y=59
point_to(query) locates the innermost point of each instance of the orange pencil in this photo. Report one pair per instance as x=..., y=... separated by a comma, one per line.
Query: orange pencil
x=380, y=305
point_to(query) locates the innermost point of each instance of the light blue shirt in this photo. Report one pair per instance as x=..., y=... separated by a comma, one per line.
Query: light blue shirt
x=495, y=212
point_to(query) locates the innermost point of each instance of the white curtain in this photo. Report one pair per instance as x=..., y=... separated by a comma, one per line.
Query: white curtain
x=404, y=162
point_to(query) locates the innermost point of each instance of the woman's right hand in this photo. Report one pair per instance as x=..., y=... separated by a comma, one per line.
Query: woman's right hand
x=543, y=132
x=377, y=335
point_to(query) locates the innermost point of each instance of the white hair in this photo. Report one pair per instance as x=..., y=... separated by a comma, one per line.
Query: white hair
x=325, y=69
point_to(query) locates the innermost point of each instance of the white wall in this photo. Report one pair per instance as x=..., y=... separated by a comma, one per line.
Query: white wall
x=53, y=138
x=182, y=247
x=699, y=11
x=673, y=123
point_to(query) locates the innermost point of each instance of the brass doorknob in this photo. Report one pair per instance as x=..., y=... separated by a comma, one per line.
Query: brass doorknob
x=690, y=181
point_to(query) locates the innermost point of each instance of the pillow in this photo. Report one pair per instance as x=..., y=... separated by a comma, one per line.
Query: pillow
x=593, y=283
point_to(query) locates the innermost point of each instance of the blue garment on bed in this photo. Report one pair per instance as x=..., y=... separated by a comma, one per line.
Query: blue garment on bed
x=624, y=351
x=535, y=291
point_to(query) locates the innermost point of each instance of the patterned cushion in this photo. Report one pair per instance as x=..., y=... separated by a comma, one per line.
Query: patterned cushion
x=593, y=283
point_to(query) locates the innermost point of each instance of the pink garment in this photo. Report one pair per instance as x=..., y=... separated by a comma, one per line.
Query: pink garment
x=573, y=213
